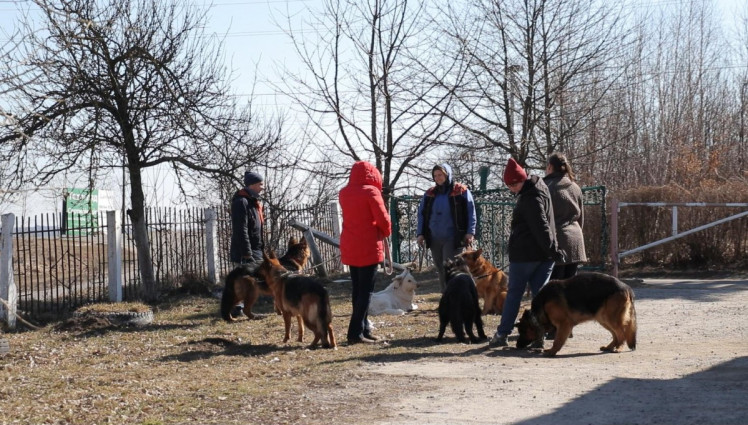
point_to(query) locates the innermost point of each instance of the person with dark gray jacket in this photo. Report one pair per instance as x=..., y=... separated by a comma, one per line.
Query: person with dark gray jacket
x=568, y=215
x=247, y=219
x=532, y=244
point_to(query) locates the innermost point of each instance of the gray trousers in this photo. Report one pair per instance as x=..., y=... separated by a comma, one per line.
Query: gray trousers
x=442, y=250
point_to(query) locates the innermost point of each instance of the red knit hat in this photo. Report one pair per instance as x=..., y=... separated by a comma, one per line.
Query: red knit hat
x=513, y=173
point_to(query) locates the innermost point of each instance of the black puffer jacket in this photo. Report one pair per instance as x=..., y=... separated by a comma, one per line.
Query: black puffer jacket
x=533, y=232
x=247, y=241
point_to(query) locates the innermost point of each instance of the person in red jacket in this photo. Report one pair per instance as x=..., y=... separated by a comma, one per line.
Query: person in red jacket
x=366, y=223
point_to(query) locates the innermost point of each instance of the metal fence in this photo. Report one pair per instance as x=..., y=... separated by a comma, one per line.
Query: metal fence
x=494, y=213
x=322, y=217
x=58, y=266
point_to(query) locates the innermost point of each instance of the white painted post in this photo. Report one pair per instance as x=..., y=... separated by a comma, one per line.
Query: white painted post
x=114, y=255
x=337, y=226
x=8, y=291
x=211, y=233
x=614, y=258
x=335, y=216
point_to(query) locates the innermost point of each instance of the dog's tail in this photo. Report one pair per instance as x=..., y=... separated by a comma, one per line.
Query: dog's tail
x=631, y=328
x=477, y=311
x=228, y=299
x=325, y=315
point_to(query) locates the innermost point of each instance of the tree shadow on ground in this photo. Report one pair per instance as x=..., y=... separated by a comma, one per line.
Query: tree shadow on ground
x=216, y=346
x=713, y=396
x=690, y=290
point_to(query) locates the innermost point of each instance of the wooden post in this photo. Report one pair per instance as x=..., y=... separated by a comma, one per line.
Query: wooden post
x=8, y=291
x=211, y=232
x=335, y=217
x=114, y=255
x=614, y=236
x=316, y=254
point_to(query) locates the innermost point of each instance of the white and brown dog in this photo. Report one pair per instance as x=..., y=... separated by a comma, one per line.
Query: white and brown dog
x=397, y=298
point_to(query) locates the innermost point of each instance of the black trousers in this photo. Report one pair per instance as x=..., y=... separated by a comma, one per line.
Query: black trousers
x=362, y=279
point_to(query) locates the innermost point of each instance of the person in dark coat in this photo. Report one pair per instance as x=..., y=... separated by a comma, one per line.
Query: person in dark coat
x=247, y=239
x=532, y=244
x=366, y=223
x=446, y=219
x=568, y=213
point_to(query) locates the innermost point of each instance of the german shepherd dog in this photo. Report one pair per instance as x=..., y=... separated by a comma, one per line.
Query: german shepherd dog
x=566, y=303
x=296, y=256
x=299, y=296
x=491, y=282
x=459, y=303
x=241, y=285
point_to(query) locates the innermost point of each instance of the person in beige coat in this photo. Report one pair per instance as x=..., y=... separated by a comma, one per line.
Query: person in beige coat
x=568, y=215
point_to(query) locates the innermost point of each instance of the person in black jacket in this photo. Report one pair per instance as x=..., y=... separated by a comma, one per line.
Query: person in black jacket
x=247, y=240
x=532, y=244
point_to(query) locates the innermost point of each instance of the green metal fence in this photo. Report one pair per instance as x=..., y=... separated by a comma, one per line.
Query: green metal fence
x=494, y=212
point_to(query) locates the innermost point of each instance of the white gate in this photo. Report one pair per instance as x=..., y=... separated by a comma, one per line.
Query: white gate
x=616, y=208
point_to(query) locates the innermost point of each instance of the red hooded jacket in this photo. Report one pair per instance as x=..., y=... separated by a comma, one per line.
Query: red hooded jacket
x=365, y=219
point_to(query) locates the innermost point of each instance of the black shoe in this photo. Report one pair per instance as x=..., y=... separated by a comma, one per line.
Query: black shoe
x=359, y=340
x=368, y=335
x=237, y=311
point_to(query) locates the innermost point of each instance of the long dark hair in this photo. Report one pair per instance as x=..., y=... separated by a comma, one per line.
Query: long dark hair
x=560, y=164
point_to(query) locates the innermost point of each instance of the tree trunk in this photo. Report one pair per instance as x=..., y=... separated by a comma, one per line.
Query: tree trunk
x=140, y=234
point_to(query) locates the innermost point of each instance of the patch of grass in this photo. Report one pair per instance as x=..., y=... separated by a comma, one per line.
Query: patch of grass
x=133, y=307
x=189, y=366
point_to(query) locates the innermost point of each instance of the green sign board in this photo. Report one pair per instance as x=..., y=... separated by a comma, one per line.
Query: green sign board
x=81, y=208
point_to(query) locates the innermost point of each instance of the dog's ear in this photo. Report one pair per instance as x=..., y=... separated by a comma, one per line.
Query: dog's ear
x=398, y=280
x=478, y=252
x=291, y=241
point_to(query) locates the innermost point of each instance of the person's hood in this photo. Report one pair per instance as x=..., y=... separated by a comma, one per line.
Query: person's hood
x=448, y=171
x=365, y=173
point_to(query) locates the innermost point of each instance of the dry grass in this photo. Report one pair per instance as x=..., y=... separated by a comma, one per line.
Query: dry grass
x=189, y=366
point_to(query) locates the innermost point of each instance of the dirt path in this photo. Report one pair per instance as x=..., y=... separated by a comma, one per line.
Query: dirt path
x=690, y=367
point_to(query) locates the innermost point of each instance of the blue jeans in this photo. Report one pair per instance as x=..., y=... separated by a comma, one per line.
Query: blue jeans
x=536, y=273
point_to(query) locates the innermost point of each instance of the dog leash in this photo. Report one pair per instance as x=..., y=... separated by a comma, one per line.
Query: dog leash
x=420, y=258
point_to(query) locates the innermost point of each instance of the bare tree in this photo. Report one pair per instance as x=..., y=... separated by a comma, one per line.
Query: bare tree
x=366, y=85
x=133, y=83
x=535, y=71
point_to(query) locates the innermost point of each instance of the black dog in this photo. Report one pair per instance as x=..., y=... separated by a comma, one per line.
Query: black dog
x=459, y=303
